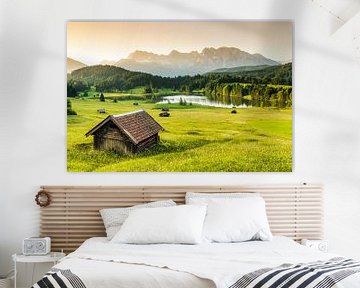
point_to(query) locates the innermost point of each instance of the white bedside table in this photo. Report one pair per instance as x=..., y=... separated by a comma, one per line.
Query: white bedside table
x=53, y=257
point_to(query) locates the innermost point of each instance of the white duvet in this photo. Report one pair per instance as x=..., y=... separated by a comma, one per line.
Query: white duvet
x=100, y=263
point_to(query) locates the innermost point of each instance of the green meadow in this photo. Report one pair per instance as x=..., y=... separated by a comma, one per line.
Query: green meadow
x=196, y=139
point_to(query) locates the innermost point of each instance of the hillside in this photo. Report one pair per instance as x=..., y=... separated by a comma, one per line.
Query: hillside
x=191, y=63
x=112, y=78
x=281, y=74
x=72, y=65
x=238, y=69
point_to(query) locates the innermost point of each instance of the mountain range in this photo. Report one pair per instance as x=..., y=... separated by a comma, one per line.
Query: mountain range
x=191, y=63
x=184, y=63
x=74, y=65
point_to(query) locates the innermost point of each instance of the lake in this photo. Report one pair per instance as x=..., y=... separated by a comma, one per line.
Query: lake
x=202, y=100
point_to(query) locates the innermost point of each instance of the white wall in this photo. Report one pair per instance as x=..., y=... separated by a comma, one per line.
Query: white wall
x=32, y=108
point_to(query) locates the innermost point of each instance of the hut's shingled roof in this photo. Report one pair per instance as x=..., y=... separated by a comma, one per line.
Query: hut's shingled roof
x=138, y=125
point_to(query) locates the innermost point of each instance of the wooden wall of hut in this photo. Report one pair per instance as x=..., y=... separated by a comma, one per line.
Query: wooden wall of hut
x=110, y=138
x=151, y=141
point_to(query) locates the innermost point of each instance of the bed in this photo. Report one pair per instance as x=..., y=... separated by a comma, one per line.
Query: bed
x=294, y=211
x=99, y=263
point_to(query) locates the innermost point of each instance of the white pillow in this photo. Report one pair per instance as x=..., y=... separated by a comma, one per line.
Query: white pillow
x=173, y=225
x=113, y=218
x=236, y=220
x=204, y=198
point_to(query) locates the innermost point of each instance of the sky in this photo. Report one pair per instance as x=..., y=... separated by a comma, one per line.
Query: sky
x=93, y=42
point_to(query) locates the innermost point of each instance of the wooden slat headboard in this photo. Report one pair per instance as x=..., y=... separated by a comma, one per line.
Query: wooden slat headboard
x=73, y=215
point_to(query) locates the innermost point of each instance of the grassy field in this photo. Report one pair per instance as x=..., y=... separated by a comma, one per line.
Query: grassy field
x=197, y=139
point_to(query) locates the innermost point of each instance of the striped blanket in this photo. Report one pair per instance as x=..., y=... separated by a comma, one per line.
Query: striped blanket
x=59, y=278
x=320, y=274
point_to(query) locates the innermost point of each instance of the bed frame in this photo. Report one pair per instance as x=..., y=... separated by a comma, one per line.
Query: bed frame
x=73, y=215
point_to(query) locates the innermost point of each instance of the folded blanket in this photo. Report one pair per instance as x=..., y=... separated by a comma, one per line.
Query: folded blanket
x=320, y=274
x=59, y=278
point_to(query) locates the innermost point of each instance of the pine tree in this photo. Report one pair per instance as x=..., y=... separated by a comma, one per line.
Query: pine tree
x=102, y=97
x=69, y=108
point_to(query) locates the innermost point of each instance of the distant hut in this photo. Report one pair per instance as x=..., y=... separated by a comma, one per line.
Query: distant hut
x=164, y=114
x=101, y=111
x=126, y=133
x=233, y=112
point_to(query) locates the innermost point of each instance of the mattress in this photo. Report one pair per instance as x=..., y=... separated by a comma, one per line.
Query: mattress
x=99, y=263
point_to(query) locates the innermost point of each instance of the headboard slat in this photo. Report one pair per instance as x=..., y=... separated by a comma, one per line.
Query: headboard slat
x=73, y=216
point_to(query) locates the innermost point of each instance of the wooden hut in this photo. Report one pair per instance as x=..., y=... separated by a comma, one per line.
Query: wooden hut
x=126, y=133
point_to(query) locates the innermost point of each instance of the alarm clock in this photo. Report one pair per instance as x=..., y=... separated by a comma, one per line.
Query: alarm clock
x=36, y=246
x=319, y=245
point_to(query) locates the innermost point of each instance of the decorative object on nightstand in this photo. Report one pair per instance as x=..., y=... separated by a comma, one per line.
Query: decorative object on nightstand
x=52, y=257
x=320, y=245
x=36, y=246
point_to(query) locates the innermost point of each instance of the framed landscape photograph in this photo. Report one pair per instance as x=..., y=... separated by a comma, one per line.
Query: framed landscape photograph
x=179, y=96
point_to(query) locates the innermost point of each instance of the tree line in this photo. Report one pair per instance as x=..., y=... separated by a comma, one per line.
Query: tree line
x=255, y=94
x=108, y=78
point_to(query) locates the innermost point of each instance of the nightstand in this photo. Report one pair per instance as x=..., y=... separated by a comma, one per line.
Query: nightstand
x=320, y=245
x=52, y=257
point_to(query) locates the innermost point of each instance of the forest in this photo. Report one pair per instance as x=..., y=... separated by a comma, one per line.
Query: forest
x=259, y=94
x=113, y=79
